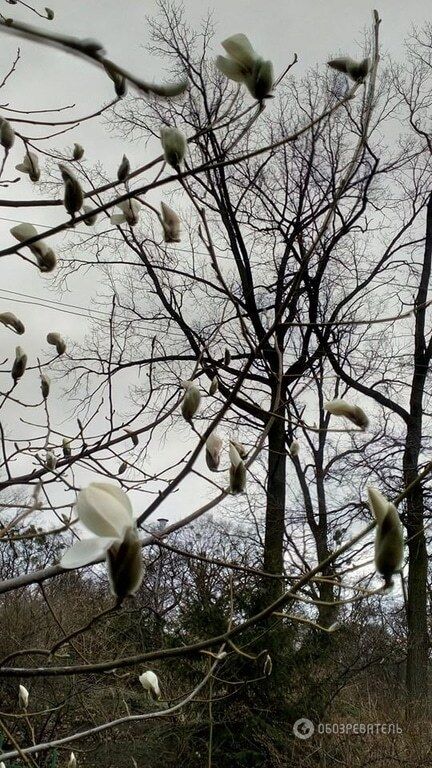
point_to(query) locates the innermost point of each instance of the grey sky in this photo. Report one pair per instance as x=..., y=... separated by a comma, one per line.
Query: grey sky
x=314, y=29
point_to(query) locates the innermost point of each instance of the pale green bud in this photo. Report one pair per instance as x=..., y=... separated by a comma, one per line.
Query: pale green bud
x=237, y=473
x=353, y=413
x=7, y=135
x=174, y=145
x=213, y=451
x=170, y=224
x=56, y=341
x=78, y=152
x=191, y=400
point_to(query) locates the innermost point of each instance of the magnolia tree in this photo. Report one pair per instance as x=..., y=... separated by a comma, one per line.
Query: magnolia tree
x=249, y=363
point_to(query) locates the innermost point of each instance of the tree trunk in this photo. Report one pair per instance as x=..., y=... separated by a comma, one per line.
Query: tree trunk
x=275, y=507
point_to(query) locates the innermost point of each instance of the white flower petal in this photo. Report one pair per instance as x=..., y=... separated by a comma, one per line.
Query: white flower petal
x=104, y=511
x=85, y=552
x=118, y=218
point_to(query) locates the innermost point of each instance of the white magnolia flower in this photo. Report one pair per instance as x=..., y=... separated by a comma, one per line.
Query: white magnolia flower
x=191, y=400
x=174, y=145
x=130, y=215
x=105, y=510
x=150, y=683
x=50, y=460
x=389, y=543
x=354, y=413
x=45, y=256
x=171, y=224
x=23, y=697
x=237, y=473
x=19, y=364
x=30, y=165
x=243, y=65
x=240, y=448
x=213, y=451
x=56, y=341
x=72, y=763
x=2, y=764
x=356, y=70
x=11, y=321
x=294, y=448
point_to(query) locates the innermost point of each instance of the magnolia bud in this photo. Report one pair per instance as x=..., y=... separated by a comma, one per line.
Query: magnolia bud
x=131, y=210
x=237, y=473
x=133, y=436
x=7, y=135
x=174, y=146
x=294, y=448
x=123, y=170
x=50, y=460
x=78, y=152
x=260, y=84
x=150, y=683
x=66, y=447
x=389, y=544
x=89, y=220
x=170, y=224
x=23, y=697
x=46, y=259
x=213, y=451
x=125, y=565
x=120, y=85
x=122, y=468
x=268, y=665
x=227, y=356
x=214, y=386
x=73, y=194
x=356, y=70
x=45, y=385
x=56, y=341
x=30, y=165
x=241, y=450
x=191, y=400
x=19, y=364
x=352, y=412
x=72, y=763
x=11, y=321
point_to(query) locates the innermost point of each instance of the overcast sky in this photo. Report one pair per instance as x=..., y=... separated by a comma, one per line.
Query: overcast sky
x=46, y=78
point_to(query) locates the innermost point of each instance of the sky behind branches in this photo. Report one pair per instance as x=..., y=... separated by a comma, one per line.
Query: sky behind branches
x=46, y=78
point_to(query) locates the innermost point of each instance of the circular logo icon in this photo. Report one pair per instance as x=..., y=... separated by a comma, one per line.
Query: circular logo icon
x=303, y=728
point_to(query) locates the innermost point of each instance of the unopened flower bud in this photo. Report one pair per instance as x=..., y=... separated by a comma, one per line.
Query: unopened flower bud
x=268, y=665
x=92, y=219
x=45, y=385
x=45, y=256
x=11, y=321
x=125, y=565
x=191, y=400
x=352, y=412
x=23, y=697
x=133, y=436
x=294, y=448
x=72, y=763
x=237, y=473
x=78, y=152
x=122, y=468
x=213, y=451
x=73, y=194
x=46, y=259
x=389, y=544
x=131, y=209
x=19, y=364
x=171, y=224
x=227, y=356
x=66, y=445
x=7, y=135
x=174, y=146
x=150, y=683
x=240, y=448
x=214, y=386
x=356, y=70
x=123, y=170
x=56, y=341
x=50, y=460
x=120, y=85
